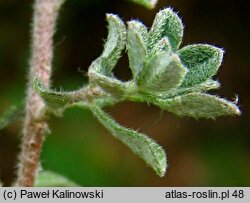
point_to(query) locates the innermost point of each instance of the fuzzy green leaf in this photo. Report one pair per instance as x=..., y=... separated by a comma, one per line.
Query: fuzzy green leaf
x=114, y=44
x=53, y=98
x=10, y=115
x=166, y=24
x=140, y=28
x=203, y=87
x=136, y=46
x=109, y=84
x=100, y=71
x=163, y=72
x=51, y=179
x=147, y=3
x=202, y=61
x=198, y=105
x=139, y=143
x=162, y=46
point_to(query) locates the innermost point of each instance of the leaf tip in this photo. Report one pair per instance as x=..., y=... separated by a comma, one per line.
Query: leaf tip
x=235, y=110
x=220, y=54
x=231, y=107
x=167, y=23
x=110, y=15
x=162, y=168
x=116, y=18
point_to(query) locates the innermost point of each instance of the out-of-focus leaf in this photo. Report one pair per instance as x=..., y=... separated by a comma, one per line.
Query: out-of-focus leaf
x=147, y=3
x=51, y=179
x=10, y=115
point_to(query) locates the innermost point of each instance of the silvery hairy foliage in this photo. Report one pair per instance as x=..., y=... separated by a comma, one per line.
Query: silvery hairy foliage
x=174, y=78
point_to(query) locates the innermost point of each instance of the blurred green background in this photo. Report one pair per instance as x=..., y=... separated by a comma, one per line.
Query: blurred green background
x=200, y=153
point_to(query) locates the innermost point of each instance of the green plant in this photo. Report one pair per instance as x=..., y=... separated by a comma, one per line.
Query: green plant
x=147, y=3
x=172, y=78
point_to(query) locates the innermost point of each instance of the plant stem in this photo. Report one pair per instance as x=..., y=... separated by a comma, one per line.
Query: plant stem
x=34, y=129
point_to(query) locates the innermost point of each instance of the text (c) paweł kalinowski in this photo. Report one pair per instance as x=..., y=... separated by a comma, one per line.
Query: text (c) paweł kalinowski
x=61, y=194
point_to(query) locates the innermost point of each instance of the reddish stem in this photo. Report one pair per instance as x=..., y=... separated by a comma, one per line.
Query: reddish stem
x=34, y=129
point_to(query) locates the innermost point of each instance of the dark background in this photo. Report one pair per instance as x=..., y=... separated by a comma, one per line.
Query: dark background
x=200, y=153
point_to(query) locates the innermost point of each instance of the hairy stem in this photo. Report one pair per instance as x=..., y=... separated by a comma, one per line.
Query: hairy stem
x=44, y=19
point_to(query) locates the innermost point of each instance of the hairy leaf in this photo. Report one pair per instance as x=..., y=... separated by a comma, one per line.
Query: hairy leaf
x=100, y=71
x=203, y=62
x=147, y=3
x=136, y=46
x=198, y=105
x=51, y=179
x=109, y=84
x=162, y=72
x=114, y=44
x=203, y=87
x=139, y=143
x=166, y=24
x=162, y=46
x=10, y=115
x=141, y=29
x=53, y=98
